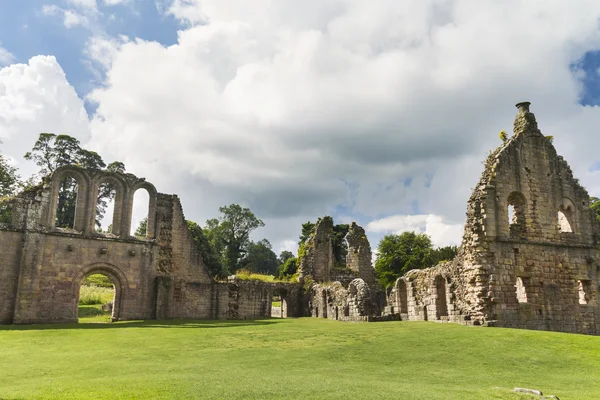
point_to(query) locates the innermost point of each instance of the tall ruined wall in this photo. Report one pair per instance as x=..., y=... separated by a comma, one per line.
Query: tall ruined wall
x=529, y=257
x=317, y=260
x=359, y=255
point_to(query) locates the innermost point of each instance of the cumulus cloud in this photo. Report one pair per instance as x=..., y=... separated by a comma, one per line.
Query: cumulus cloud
x=441, y=233
x=377, y=108
x=35, y=98
x=6, y=57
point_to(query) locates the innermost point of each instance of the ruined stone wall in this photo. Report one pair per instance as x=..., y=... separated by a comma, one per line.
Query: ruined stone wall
x=359, y=255
x=55, y=265
x=252, y=299
x=317, y=260
x=336, y=302
x=9, y=273
x=529, y=256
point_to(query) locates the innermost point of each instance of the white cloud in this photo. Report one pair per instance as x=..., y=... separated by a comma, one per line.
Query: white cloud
x=6, y=57
x=70, y=17
x=89, y=4
x=297, y=112
x=114, y=2
x=441, y=233
x=35, y=98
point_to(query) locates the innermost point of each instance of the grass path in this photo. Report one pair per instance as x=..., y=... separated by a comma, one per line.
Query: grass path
x=292, y=358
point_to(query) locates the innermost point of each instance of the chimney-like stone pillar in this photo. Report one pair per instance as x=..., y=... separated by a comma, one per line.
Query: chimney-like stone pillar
x=525, y=120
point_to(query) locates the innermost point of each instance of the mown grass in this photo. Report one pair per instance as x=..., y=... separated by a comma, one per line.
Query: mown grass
x=92, y=313
x=292, y=358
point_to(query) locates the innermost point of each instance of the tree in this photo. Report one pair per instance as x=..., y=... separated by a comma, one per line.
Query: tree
x=211, y=258
x=142, y=228
x=288, y=268
x=595, y=206
x=340, y=247
x=307, y=228
x=9, y=182
x=285, y=255
x=440, y=254
x=260, y=258
x=233, y=231
x=51, y=151
x=398, y=254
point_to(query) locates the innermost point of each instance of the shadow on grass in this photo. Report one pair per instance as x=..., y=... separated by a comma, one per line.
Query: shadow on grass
x=194, y=324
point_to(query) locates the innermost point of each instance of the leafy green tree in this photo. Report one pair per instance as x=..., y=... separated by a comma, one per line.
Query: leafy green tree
x=260, y=258
x=340, y=247
x=285, y=255
x=288, y=268
x=445, y=253
x=211, y=258
x=232, y=231
x=9, y=182
x=595, y=206
x=307, y=228
x=140, y=231
x=398, y=254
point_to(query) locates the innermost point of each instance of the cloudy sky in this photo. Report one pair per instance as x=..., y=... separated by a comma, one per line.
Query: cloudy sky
x=377, y=111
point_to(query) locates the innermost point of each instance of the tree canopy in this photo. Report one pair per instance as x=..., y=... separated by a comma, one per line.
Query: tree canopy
x=399, y=253
x=259, y=257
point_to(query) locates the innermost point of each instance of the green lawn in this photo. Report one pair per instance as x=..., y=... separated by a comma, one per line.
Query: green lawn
x=292, y=358
x=92, y=313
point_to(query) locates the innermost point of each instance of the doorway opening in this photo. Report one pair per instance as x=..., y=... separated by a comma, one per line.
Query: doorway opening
x=279, y=307
x=97, y=299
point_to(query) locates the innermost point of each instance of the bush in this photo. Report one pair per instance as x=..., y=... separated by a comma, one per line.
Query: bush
x=95, y=295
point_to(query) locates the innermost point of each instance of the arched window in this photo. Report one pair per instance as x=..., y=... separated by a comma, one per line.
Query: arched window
x=66, y=204
x=566, y=212
x=109, y=206
x=516, y=214
x=140, y=213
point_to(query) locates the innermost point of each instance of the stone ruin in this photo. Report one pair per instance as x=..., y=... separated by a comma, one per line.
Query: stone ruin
x=161, y=276
x=529, y=256
x=347, y=294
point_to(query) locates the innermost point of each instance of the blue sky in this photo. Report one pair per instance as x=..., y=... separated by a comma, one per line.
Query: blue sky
x=367, y=112
x=26, y=31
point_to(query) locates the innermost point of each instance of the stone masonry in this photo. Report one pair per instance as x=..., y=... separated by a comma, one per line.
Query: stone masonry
x=529, y=257
x=160, y=276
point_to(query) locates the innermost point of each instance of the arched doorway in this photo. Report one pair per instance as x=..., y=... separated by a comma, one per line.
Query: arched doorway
x=98, y=292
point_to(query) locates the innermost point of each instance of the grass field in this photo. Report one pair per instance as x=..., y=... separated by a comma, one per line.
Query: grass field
x=292, y=358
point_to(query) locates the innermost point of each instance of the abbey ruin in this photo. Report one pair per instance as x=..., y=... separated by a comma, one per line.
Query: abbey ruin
x=536, y=268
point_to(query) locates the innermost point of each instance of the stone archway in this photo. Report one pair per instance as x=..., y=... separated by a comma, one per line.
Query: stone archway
x=114, y=274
